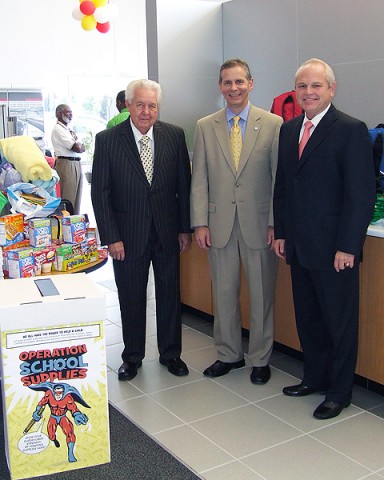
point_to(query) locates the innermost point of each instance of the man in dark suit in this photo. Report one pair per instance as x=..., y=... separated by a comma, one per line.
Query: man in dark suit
x=323, y=203
x=141, y=205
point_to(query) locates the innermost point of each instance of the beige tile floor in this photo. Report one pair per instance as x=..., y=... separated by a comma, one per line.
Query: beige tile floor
x=227, y=428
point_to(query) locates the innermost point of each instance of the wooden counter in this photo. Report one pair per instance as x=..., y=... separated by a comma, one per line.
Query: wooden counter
x=196, y=292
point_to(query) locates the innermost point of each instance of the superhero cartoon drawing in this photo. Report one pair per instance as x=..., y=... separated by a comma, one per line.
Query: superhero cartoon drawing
x=60, y=398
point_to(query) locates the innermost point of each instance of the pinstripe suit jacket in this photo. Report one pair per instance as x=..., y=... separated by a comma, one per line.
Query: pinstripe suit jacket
x=125, y=204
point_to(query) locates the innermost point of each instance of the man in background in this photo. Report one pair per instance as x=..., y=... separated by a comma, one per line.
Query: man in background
x=123, y=110
x=67, y=149
x=233, y=172
x=140, y=193
x=323, y=202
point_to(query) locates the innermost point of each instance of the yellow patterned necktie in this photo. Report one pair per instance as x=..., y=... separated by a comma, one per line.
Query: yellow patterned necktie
x=236, y=141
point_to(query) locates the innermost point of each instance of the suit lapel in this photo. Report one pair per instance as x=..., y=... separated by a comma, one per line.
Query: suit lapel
x=220, y=126
x=323, y=129
x=160, y=150
x=250, y=137
x=131, y=151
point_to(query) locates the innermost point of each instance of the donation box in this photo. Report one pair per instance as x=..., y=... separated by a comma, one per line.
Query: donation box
x=54, y=379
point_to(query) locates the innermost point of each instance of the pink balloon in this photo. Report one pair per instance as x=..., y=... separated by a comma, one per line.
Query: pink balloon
x=103, y=27
x=87, y=7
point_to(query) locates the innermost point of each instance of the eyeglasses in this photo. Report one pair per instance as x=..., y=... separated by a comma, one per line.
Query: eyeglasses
x=141, y=106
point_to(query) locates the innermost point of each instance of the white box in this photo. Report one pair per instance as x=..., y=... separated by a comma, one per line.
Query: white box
x=74, y=228
x=53, y=345
x=20, y=263
x=39, y=232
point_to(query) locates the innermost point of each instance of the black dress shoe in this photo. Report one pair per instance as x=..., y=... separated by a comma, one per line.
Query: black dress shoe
x=220, y=368
x=300, y=390
x=128, y=370
x=175, y=366
x=329, y=410
x=260, y=375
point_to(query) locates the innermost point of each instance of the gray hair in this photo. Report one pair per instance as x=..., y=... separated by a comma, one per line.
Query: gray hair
x=143, y=83
x=60, y=108
x=329, y=73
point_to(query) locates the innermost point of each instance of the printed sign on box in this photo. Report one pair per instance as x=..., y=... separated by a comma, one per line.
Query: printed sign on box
x=54, y=384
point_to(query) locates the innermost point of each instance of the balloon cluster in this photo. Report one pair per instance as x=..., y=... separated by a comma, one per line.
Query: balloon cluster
x=95, y=14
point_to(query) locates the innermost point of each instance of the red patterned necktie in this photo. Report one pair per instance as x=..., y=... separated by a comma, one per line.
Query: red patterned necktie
x=306, y=134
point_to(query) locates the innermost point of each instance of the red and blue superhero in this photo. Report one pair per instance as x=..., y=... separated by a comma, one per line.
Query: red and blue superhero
x=61, y=398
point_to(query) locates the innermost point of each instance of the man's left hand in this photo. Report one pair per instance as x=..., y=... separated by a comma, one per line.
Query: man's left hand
x=343, y=260
x=116, y=251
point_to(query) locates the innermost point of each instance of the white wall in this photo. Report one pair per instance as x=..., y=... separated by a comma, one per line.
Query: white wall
x=40, y=40
x=277, y=36
x=189, y=57
x=264, y=33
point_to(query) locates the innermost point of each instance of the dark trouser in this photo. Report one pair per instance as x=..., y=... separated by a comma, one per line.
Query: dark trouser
x=131, y=277
x=327, y=317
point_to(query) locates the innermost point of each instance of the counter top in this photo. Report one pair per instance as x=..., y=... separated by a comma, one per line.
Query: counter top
x=376, y=230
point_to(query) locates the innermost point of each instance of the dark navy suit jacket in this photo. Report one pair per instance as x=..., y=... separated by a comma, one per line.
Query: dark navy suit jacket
x=324, y=202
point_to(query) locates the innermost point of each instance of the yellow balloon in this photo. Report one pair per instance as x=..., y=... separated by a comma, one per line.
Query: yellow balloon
x=99, y=3
x=88, y=22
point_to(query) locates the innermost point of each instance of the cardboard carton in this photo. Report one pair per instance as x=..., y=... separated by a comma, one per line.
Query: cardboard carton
x=53, y=350
x=11, y=229
x=74, y=228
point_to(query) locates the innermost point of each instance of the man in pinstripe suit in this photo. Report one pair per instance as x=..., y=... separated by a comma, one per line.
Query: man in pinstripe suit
x=144, y=219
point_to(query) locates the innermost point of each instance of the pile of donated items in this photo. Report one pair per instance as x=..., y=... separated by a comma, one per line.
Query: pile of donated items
x=37, y=234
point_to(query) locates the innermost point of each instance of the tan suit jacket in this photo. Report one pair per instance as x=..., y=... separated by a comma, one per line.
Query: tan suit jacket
x=217, y=190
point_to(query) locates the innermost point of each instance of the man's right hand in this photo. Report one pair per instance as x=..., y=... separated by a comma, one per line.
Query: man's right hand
x=203, y=237
x=116, y=251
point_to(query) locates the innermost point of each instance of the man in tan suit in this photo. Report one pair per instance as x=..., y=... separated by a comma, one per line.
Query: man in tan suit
x=231, y=213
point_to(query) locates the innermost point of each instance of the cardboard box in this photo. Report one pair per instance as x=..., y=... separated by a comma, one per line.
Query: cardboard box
x=72, y=256
x=11, y=229
x=21, y=263
x=53, y=344
x=23, y=244
x=39, y=232
x=74, y=228
x=44, y=256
